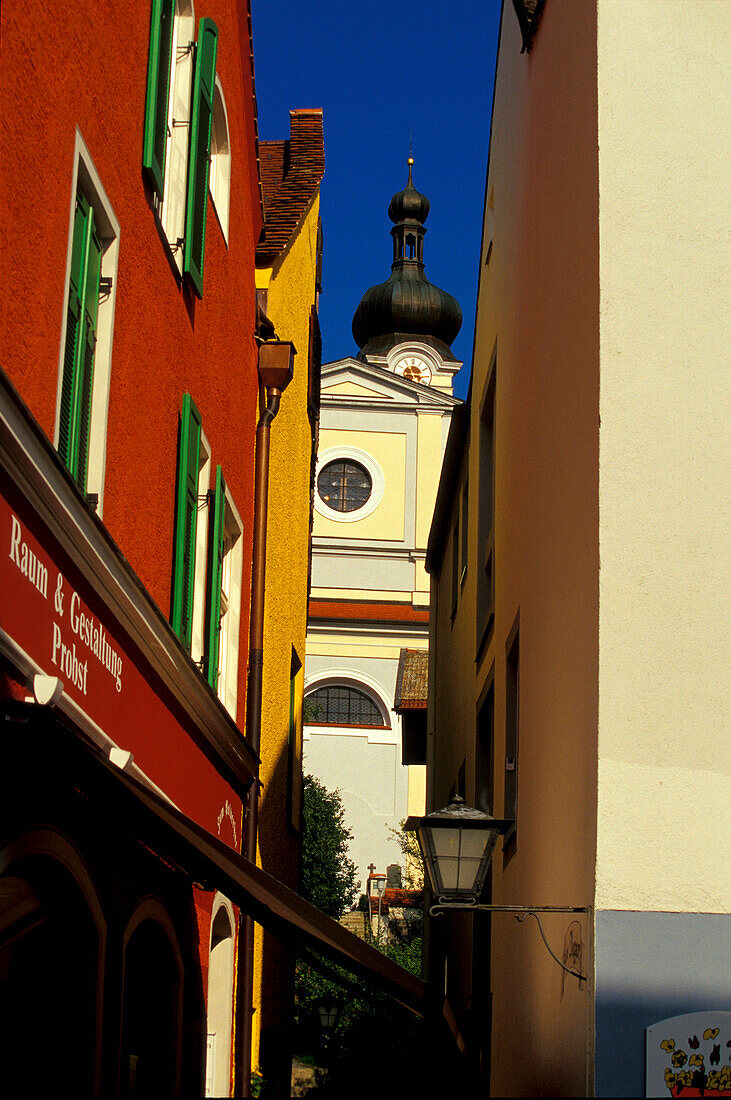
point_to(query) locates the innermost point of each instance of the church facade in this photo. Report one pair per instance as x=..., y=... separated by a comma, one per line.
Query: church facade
x=385, y=415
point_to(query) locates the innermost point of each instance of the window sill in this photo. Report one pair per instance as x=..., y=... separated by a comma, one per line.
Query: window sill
x=347, y=725
x=485, y=637
x=510, y=844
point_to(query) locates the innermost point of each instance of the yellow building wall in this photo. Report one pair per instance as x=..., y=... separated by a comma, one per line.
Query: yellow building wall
x=291, y=294
x=387, y=520
x=429, y=435
x=417, y=790
x=429, y=449
x=664, y=788
x=374, y=644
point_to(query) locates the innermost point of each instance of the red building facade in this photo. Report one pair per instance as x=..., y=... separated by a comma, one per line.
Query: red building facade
x=130, y=210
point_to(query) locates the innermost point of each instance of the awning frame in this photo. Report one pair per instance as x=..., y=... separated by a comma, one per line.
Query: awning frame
x=202, y=856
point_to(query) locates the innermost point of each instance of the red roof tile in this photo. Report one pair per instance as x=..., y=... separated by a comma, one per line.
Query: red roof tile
x=412, y=680
x=290, y=175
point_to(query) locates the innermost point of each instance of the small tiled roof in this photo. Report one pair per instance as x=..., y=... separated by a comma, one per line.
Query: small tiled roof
x=397, y=898
x=290, y=175
x=412, y=680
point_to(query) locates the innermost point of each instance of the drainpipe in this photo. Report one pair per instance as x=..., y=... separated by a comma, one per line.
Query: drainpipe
x=276, y=368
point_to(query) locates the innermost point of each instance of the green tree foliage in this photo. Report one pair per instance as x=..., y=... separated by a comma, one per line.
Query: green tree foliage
x=376, y=1044
x=328, y=874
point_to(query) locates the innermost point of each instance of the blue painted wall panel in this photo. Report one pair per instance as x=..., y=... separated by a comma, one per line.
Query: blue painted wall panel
x=650, y=966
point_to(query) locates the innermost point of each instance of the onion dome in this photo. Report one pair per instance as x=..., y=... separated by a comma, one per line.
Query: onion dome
x=407, y=304
x=409, y=203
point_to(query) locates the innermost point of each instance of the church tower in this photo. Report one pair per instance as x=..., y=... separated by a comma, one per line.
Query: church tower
x=407, y=324
x=385, y=414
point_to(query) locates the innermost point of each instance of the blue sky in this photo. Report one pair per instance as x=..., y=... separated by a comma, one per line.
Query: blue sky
x=384, y=72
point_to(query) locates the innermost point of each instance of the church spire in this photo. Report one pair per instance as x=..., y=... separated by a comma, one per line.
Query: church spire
x=407, y=304
x=409, y=209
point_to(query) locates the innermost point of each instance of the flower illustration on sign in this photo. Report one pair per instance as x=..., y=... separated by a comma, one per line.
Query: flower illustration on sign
x=695, y=1080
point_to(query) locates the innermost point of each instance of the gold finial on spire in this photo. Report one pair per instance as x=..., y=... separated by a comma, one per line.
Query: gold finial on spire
x=410, y=161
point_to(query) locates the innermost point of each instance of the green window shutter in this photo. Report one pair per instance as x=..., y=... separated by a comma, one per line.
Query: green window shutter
x=73, y=333
x=68, y=381
x=186, y=519
x=81, y=322
x=204, y=81
x=158, y=90
x=215, y=577
x=87, y=351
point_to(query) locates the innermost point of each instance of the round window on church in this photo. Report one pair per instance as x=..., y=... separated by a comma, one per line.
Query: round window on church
x=344, y=486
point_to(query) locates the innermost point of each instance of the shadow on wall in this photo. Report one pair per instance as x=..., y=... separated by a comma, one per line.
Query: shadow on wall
x=279, y=848
x=620, y=1040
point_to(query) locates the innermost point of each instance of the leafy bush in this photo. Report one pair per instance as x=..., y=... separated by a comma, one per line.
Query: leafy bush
x=328, y=877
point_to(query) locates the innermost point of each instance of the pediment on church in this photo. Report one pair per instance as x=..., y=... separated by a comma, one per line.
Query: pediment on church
x=351, y=380
x=352, y=389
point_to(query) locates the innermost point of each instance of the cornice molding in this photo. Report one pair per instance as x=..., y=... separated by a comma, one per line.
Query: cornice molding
x=411, y=395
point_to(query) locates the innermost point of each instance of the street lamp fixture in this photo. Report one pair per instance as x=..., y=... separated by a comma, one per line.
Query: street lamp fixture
x=328, y=1009
x=378, y=883
x=456, y=845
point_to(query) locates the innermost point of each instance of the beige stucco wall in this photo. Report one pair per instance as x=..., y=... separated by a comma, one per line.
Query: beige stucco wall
x=664, y=791
x=538, y=310
x=388, y=449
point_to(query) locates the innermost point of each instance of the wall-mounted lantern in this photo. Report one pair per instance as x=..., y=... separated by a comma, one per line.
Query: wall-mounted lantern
x=456, y=845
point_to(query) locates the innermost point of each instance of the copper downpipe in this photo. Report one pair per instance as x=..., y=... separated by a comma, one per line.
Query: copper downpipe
x=245, y=981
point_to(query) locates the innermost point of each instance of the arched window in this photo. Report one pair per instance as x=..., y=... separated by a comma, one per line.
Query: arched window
x=344, y=486
x=219, y=183
x=48, y=981
x=341, y=705
x=151, y=1013
x=220, y=1003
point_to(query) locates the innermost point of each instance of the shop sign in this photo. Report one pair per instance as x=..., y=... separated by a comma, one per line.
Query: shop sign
x=50, y=611
x=689, y=1055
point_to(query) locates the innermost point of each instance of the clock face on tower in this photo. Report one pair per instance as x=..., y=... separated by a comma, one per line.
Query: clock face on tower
x=413, y=368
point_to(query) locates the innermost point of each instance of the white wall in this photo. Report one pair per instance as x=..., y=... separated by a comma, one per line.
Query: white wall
x=663, y=832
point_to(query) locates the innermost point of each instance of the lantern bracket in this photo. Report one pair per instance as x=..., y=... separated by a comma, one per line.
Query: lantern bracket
x=520, y=912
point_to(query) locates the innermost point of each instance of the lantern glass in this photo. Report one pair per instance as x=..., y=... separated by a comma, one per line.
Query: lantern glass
x=457, y=844
x=328, y=1011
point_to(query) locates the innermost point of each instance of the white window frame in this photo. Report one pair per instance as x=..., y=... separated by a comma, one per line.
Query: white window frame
x=219, y=182
x=171, y=210
x=219, y=1002
x=231, y=585
x=231, y=574
x=86, y=179
x=378, y=482
x=369, y=687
